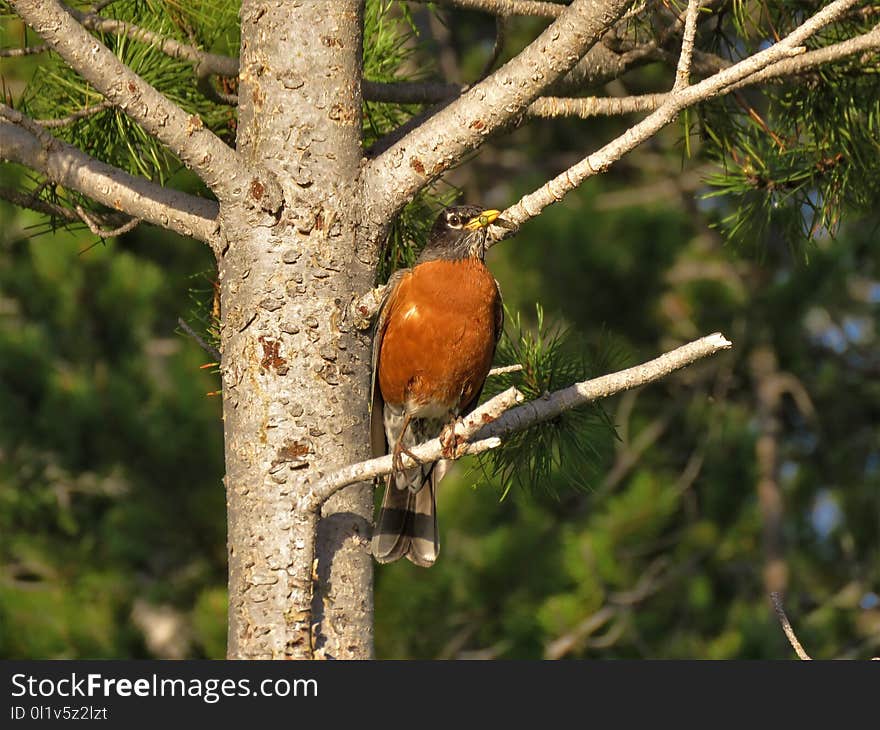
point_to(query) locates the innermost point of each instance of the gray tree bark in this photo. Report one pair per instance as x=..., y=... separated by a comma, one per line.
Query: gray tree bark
x=295, y=376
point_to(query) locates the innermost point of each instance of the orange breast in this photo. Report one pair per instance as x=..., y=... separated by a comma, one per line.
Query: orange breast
x=440, y=335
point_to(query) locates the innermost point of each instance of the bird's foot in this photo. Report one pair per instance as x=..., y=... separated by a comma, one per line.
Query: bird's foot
x=397, y=457
x=451, y=443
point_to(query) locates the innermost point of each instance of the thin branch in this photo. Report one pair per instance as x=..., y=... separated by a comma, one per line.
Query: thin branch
x=503, y=369
x=505, y=7
x=866, y=42
x=74, y=116
x=199, y=340
x=500, y=32
x=410, y=92
x=206, y=62
x=28, y=124
x=205, y=84
x=26, y=51
x=222, y=169
x=786, y=627
x=32, y=201
x=723, y=82
x=589, y=106
x=444, y=139
x=428, y=92
x=683, y=70
x=95, y=227
x=66, y=165
x=593, y=106
x=518, y=419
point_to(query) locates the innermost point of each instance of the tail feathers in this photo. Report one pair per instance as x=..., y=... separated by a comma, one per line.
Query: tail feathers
x=407, y=525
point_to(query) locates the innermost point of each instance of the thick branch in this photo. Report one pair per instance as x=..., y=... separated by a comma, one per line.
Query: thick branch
x=723, y=82
x=66, y=165
x=443, y=140
x=490, y=434
x=184, y=134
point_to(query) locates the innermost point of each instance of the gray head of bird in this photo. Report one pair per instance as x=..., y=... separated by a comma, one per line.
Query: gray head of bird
x=460, y=232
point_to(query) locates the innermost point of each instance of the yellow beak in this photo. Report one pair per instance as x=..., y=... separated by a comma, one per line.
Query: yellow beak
x=487, y=217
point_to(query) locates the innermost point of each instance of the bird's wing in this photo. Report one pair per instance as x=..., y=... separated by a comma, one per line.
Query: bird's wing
x=499, y=315
x=377, y=427
x=499, y=330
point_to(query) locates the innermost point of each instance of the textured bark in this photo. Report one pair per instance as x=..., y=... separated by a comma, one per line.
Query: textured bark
x=448, y=136
x=184, y=134
x=64, y=164
x=295, y=375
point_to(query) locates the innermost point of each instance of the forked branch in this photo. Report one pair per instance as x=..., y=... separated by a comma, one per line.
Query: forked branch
x=137, y=197
x=182, y=133
x=444, y=139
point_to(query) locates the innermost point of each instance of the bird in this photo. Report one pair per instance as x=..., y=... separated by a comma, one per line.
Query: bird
x=435, y=338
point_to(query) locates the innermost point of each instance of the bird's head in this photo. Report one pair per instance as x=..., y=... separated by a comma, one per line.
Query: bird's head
x=460, y=232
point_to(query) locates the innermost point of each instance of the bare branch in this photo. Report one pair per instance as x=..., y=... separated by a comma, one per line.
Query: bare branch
x=683, y=71
x=503, y=369
x=74, y=116
x=723, y=82
x=518, y=419
x=786, y=627
x=218, y=165
x=444, y=139
x=410, y=92
x=95, y=227
x=867, y=42
x=506, y=7
x=199, y=340
x=26, y=51
x=206, y=62
x=593, y=106
x=66, y=165
x=500, y=32
x=426, y=92
x=32, y=201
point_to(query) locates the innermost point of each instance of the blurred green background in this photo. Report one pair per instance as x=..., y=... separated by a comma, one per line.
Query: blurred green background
x=756, y=470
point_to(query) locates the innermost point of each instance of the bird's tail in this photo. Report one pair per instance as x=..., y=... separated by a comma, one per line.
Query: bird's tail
x=407, y=524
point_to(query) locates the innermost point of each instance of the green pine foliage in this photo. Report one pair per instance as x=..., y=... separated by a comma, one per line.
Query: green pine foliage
x=575, y=445
x=794, y=155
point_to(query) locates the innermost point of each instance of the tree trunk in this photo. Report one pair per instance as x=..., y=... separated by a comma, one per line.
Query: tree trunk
x=295, y=374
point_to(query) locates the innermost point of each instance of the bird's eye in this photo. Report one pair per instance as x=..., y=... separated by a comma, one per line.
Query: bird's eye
x=454, y=220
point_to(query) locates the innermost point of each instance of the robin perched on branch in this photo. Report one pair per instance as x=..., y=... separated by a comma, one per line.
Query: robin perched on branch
x=436, y=334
